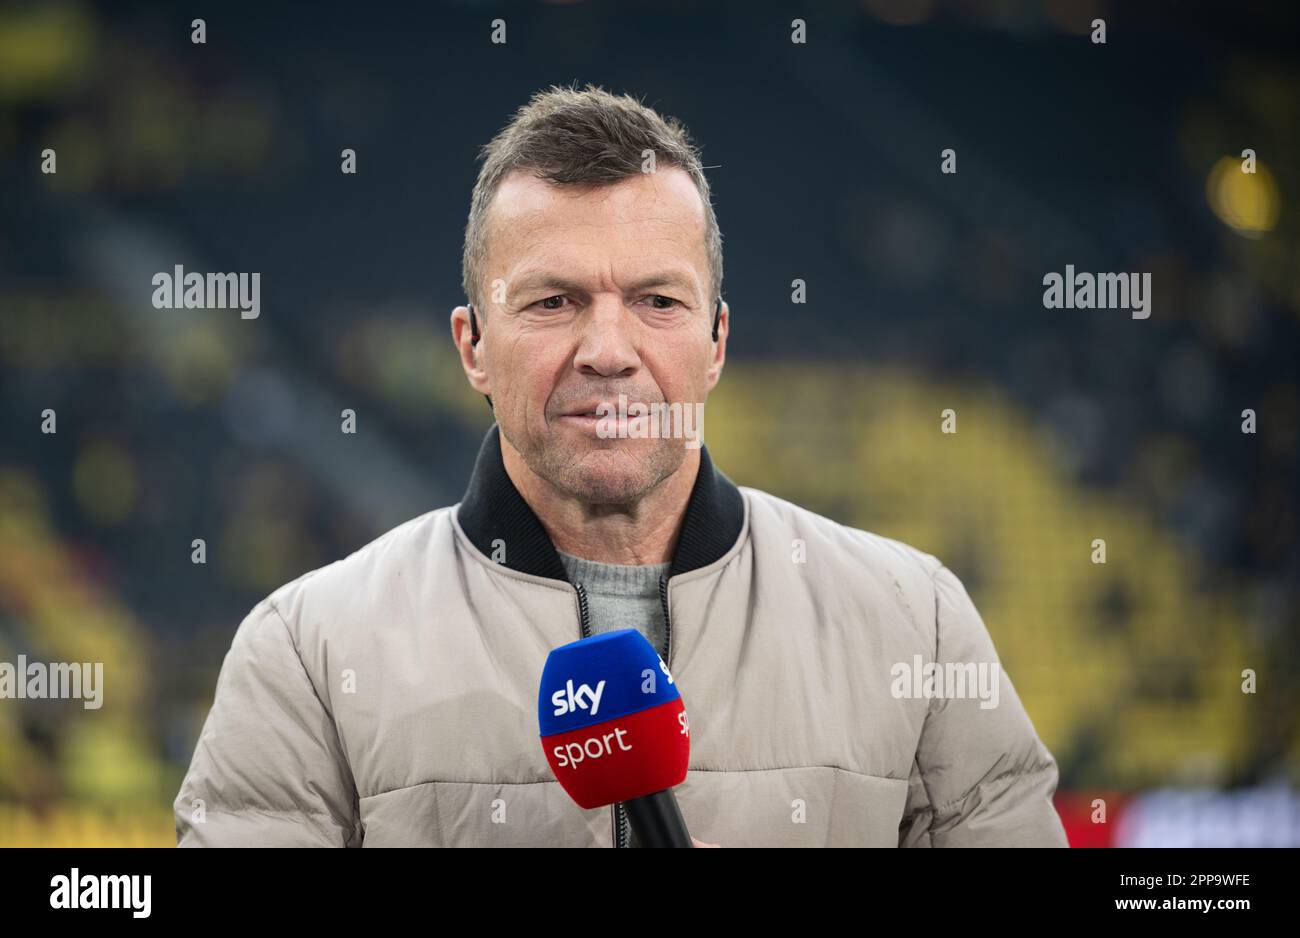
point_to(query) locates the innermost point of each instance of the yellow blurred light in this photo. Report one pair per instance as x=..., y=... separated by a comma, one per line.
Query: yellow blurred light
x=44, y=50
x=104, y=482
x=1246, y=202
x=109, y=763
x=73, y=825
x=201, y=361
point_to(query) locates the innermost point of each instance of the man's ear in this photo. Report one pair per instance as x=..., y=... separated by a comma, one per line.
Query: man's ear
x=719, y=347
x=471, y=353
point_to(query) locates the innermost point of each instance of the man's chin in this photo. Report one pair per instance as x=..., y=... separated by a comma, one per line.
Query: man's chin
x=608, y=476
x=612, y=472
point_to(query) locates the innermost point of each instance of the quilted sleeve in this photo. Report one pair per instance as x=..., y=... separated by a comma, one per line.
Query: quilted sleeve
x=981, y=777
x=268, y=769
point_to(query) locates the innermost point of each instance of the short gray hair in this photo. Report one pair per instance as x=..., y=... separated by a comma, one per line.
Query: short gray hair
x=582, y=138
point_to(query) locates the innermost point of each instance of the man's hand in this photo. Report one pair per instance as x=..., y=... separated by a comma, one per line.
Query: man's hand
x=700, y=843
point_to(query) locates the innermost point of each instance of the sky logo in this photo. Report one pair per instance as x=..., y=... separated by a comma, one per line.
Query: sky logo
x=567, y=700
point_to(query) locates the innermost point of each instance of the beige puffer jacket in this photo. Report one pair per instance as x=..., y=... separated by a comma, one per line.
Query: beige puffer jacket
x=391, y=698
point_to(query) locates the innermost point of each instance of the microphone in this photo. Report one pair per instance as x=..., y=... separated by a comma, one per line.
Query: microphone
x=614, y=728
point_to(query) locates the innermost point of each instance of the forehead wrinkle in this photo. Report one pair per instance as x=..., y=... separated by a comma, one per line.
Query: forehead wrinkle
x=653, y=207
x=644, y=258
x=533, y=228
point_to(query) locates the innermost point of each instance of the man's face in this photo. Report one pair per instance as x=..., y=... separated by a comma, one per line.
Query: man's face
x=590, y=293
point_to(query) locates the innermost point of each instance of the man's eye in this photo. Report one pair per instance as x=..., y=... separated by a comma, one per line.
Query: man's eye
x=657, y=301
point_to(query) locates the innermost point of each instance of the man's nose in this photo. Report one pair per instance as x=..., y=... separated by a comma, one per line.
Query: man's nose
x=605, y=339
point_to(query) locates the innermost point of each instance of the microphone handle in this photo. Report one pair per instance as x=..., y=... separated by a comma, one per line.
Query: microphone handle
x=657, y=821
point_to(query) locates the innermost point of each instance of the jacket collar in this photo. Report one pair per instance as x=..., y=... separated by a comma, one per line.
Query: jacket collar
x=493, y=509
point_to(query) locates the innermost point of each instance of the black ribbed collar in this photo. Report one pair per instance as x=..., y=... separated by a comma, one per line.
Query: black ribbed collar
x=493, y=509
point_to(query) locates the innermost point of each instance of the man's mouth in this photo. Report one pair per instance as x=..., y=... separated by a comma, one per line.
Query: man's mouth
x=594, y=409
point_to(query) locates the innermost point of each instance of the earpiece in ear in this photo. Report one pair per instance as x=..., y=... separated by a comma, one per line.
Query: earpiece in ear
x=473, y=340
x=717, y=314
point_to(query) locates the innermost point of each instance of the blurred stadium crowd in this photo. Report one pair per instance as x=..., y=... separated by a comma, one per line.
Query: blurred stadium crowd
x=924, y=293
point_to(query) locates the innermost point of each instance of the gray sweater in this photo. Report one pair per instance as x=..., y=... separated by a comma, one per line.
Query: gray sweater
x=621, y=596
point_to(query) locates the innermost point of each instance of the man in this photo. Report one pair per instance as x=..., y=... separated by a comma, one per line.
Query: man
x=390, y=698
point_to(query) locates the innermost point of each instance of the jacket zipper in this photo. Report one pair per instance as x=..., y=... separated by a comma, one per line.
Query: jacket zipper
x=584, y=626
x=620, y=832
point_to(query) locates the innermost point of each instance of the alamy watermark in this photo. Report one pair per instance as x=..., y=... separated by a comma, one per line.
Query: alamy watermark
x=1084, y=290
x=951, y=680
x=78, y=891
x=640, y=420
x=59, y=680
x=179, y=290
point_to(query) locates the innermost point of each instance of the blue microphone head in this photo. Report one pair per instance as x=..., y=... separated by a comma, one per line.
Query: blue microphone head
x=611, y=719
x=614, y=674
